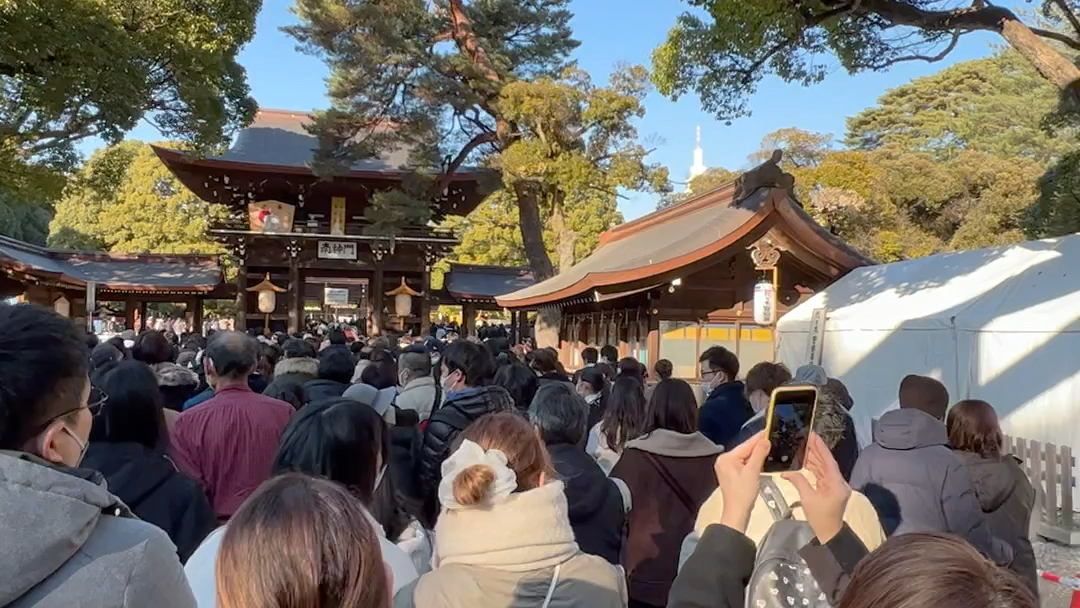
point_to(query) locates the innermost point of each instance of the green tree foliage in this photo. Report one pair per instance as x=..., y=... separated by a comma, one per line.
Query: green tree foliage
x=1057, y=211
x=713, y=177
x=723, y=50
x=995, y=105
x=801, y=148
x=124, y=199
x=469, y=83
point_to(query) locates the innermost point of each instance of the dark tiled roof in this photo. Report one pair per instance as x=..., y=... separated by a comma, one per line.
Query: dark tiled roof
x=113, y=271
x=475, y=282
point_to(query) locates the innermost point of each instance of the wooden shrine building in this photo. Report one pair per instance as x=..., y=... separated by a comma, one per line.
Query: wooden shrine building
x=76, y=283
x=310, y=236
x=673, y=283
x=475, y=287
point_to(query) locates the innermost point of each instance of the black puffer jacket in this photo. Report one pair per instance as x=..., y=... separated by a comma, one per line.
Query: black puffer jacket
x=458, y=412
x=1007, y=498
x=149, y=483
x=594, y=501
x=290, y=375
x=320, y=390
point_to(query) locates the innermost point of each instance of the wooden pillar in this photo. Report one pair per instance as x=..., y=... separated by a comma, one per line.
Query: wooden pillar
x=515, y=336
x=143, y=306
x=196, y=315
x=240, y=321
x=654, y=340
x=468, y=319
x=296, y=298
x=129, y=313
x=523, y=325
x=377, y=295
x=425, y=305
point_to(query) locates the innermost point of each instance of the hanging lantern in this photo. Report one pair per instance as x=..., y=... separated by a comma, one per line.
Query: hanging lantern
x=62, y=306
x=764, y=303
x=267, y=296
x=403, y=295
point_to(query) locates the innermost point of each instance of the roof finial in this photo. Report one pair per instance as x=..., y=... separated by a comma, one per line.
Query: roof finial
x=699, y=160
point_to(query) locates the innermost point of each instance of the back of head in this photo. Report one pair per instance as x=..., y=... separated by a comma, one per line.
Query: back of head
x=632, y=368
x=269, y=557
x=840, y=392
x=520, y=382
x=295, y=349
x=930, y=569
x=472, y=360
x=339, y=439
x=594, y=377
x=231, y=355
x=104, y=353
x=544, y=361
x=414, y=363
x=664, y=369
x=381, y=373
x=765, y=377
x=924, y=394
x=152, y=347
x=336, y=364
x=43, y=364
x=973, y=427
x=336, y=337
x=609, y=353
x=672, y=407
x=720, y=359
x=811, y=374
x=625, y=415
x=134, y=411
x=590, y=356
x=560, y=414
x=525, y=454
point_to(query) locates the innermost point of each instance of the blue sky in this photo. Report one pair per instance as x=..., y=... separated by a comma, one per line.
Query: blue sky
x=613, y=31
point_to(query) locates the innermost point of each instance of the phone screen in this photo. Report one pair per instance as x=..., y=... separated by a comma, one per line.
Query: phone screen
x=789, y=429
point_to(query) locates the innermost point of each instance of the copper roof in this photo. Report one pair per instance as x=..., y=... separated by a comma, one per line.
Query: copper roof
x=637, y=253
x=120, y=272
x=479, y=282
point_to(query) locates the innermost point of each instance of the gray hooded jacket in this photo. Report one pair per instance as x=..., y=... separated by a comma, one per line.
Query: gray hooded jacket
x=917, y=484
x=65, y=541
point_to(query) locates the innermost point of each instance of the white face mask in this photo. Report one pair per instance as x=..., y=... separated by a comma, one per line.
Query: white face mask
x=83, y=445
x=448, y=383
x=593, y=398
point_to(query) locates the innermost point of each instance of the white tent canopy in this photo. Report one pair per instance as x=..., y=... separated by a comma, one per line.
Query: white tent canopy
x=1002, y=325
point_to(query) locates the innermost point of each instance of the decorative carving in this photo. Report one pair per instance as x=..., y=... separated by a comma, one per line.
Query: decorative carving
x=294, y=248
x=765, y=253
x=766, y=175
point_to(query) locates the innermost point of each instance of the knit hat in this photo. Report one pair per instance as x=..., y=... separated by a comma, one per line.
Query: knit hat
x=924, y=394
x=810, y=374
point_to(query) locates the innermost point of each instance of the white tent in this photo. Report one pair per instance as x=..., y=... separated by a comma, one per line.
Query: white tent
x=1002, y=325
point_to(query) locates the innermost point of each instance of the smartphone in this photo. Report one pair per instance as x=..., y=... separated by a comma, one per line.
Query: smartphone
x=788, y=424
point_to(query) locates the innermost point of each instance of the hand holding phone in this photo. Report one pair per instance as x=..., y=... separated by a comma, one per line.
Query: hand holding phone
x=788, y=423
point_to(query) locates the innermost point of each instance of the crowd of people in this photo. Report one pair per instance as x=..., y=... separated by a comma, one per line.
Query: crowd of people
x=291, y=471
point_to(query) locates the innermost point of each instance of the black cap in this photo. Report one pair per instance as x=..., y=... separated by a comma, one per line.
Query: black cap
x=295, y=348
x=434, y=346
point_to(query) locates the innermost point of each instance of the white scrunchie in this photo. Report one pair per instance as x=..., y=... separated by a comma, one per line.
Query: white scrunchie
x=470, y=454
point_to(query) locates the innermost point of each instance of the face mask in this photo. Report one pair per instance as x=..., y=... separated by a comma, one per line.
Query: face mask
x=593, y=398
x=448, y=383
x=82, y=445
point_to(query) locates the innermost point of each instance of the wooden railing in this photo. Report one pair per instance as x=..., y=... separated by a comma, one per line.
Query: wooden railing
x=1050, y=469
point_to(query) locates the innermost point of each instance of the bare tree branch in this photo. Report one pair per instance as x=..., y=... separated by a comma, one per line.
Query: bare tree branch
x=1058, y=36
x=927, y=58
x=455, y=164
x=1070, y=16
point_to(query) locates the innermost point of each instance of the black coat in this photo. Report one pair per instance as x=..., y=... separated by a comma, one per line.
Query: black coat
x=290, y=375
x=724, y=413
x=594, y=501
x=320, y=390
x=445, y=424
x=1007, y=498
x=149, y=483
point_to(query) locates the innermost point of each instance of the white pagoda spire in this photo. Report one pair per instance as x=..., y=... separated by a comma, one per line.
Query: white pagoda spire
x=699, y=160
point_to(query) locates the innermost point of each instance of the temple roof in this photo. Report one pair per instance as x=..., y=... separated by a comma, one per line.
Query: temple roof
x=111, y=271
x=657, y=247
x=472, y=282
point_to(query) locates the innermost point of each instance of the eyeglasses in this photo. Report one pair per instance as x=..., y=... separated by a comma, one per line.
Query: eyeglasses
x=711, y=372
x=95, y=403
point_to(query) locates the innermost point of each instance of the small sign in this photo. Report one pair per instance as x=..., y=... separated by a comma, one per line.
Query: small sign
x=336, y=296
x=337, y=215
x=816, y=338
x=336, y=250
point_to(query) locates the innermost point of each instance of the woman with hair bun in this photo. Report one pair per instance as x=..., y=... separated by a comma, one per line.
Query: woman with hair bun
x=503, y=539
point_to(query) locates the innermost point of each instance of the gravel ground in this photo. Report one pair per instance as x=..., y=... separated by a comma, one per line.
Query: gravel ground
x=1058, y=559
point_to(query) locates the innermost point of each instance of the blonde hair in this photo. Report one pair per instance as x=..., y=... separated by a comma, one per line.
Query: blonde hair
x=525, y=454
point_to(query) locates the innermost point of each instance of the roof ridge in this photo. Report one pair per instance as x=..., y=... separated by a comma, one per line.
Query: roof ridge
x=695, y=203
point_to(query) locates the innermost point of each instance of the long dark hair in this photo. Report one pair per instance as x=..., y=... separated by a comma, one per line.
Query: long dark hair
x=624, y=418
x=672, y=407
x=134, y=411
x=345, y=441
x=973, y=427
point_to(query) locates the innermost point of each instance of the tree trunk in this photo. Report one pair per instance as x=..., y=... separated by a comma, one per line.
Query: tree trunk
x=567, y=238
x=532, y=231
x=1053, y=66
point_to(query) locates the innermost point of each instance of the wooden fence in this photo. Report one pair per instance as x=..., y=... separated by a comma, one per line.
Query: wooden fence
x=1050, y=469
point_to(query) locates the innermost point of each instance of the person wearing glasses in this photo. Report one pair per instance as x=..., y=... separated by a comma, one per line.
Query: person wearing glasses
x=726, y=408
x=66, y=540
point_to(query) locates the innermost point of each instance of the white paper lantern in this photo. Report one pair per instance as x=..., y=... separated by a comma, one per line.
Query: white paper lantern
x=62, y=307
x=403, y=305
x=267, y=302
x=764, y=303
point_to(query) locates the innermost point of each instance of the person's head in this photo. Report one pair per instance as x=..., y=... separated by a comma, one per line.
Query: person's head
x=591, y=382
x=342, y=440
x=590, y=356
x=718, y=366
x=135, y=412
x=413, y=364
x=45, y=405
x=625, y=415
x=466, y=365
x=559, y=414
x=672, y=407
x=544, y=361
x=924, y=394
x=520, y=381
x=336, y=364
x=840, y=392
x=762, y=380
x=664, y=369
x=811, y=374
x=117, y=342
x=336, y=337
x=525, y=454
x=382, y=372
x=296, y=349
x=104, y=354
x=630, y=367
x=153, y=347
x=933, y=569
x=230, y=357
x=609, y=354
x=92, y=340
x=270, y=557
x=973, y=427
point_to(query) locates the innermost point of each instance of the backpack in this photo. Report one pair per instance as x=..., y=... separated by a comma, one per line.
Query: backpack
x=781, y=578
